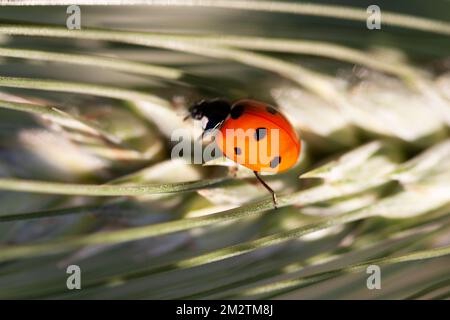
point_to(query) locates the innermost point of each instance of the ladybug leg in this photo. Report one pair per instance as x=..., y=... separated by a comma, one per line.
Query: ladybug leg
x=209, y=129
x=274, y=196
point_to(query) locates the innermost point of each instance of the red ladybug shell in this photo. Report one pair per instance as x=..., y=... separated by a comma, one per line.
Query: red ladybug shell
x=258, y=137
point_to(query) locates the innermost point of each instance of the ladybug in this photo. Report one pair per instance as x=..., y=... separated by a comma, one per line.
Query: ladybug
x=251, y=133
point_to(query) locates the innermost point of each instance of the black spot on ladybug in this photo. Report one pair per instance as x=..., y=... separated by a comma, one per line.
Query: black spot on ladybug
x=237, y=111
x=271, y=110
x=275, y=162
x=237, y=151
x=260, y=133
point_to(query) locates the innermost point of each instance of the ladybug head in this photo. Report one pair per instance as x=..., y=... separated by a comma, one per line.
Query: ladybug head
x=197, y=110
x=214, y=109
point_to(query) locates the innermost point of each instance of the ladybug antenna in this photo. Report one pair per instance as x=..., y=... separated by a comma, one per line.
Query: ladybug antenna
x=274, y=196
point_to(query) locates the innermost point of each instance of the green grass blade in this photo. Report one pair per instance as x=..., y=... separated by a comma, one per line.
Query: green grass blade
x=94, y=61
x=321, y=10
x=434, y=287
x=103, y=190
x=311, y=196
x=272, y=290
x=49, y=213
x=309, y=79
x=82, y=88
